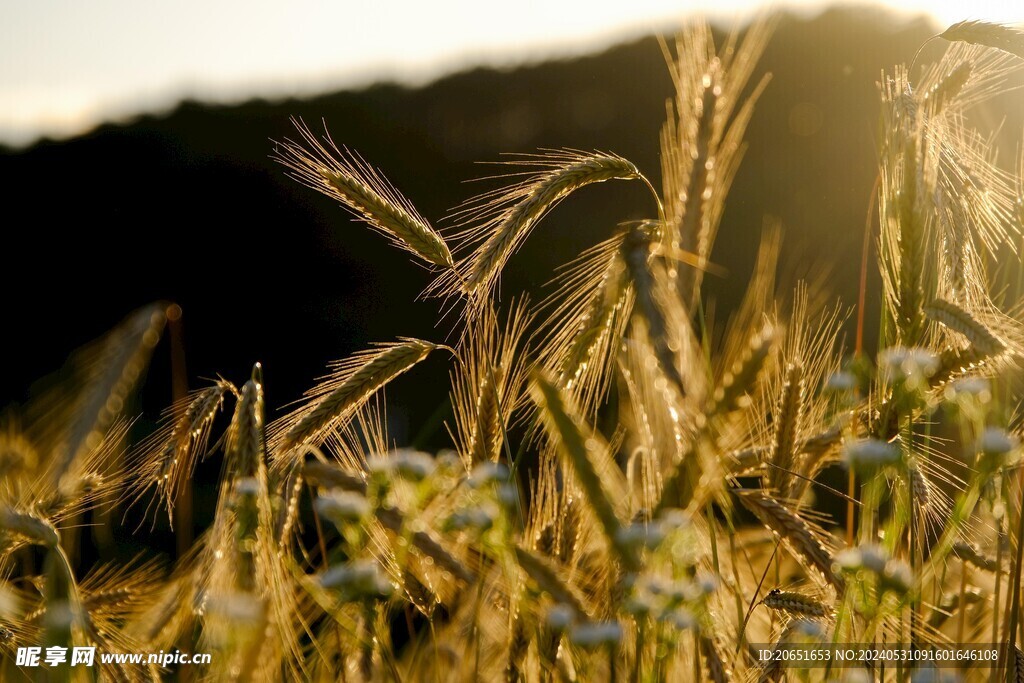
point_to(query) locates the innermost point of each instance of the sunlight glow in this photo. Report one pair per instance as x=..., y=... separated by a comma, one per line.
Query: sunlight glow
x=66, y=65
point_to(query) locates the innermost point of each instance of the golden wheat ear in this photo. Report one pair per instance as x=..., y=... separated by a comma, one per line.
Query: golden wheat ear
x=494, y=224
x=343, y=175
x=166, y=460
x=488, y=384
x=597, y=474
x=66, y=421
x=585, y=319
x=997, y=36
x=344, y=391
x=701, y=140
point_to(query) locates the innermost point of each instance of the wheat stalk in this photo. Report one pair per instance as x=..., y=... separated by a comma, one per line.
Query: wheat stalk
x=717, y=673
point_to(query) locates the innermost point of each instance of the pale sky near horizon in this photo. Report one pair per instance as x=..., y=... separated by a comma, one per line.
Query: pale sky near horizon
x=66, y=65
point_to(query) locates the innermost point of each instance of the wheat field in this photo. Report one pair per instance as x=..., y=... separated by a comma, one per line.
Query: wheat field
x=633, y=490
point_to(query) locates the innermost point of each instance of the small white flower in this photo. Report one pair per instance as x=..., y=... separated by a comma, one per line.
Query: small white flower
x=236, y=607
x=842, y=381
x=413, y=465
x=681, y=619
x=674, y=519
x=361, y=578
x=507, y=495
x=640, y=535
x=477, y=517
x=898, y=576
x=706, y=583
x=995, y=441
x=406, y=463
x=596, y=634
x=487, y=473
x=848, y=559
x=639, y=604
x=902, y=363
x=342, y=506
x=870, y=453
x=379, y=464
x=929, y=674
x=559, y=617
x=978, y=387
x=871, y=557
x=448, y=459
x=247, y=486
x=809, y=628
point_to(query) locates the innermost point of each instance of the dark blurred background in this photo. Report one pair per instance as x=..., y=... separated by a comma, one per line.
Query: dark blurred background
x=189, y=207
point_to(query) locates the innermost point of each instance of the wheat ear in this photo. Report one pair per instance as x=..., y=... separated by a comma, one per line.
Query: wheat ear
x=525, y=204
x=246, y=459
x=245, y=445
x=592, y=307
x=694, y=234
x=550, y=579
x=1005, y=38
x=352, y=384
x=951, y=85
x=959, y=320
x=28, y=526
x=636, y=250
x=169, y=458
x=717, y=673
x=954, y=363
x=794, y=603
x=783, y=453
x=967, y=552
x=732, y=392
x=911, y=245
x=795, y=533
x=580, y=446
x=123, y=356
x=486, y=438
x=343, y=175
x=772, y=669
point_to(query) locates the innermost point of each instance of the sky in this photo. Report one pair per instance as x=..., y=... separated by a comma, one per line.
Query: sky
x=67, y=65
